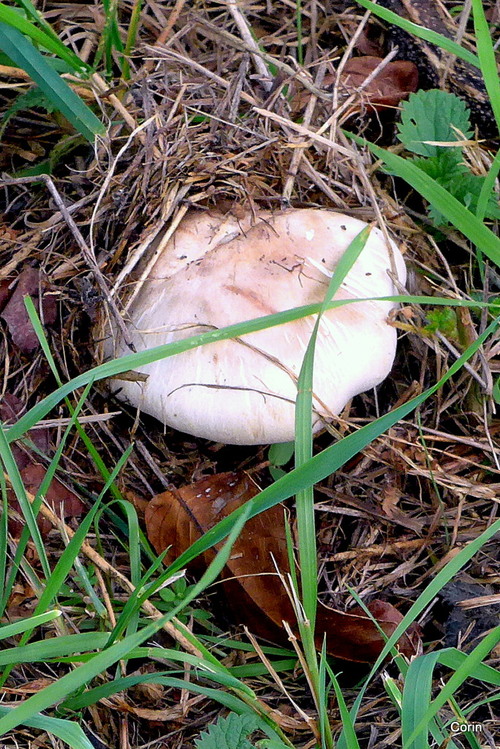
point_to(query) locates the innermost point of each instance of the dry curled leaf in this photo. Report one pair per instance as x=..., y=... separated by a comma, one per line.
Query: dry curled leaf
x=31, y=283
x=393, y=83
x=252, y=585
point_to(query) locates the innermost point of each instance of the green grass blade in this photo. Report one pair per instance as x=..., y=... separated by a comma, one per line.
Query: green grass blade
x=205, y=669
x=4, y=533
x=9, y=18
x=347, y=723
x=416, y=698
x=66, y=730
x=10, y=630
x=22, y=52
x=487, y=58
x=454, y=658
x=55, y=647
x=83, y=674
x=140, y=594
x=303, y=437
x=488, y=187
x=38, y=18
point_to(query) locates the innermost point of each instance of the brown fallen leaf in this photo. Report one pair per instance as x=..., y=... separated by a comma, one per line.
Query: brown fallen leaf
x=392, y=84
x=253, y=588
x=387, y=89
x=30, y=282
x=33, y=473
x=11, y=408
x=64, y=502
x=370, y=41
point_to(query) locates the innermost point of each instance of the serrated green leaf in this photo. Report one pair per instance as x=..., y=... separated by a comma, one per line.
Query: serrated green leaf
x=432, y=116
x=27, y=57
x=450, y=172
x=446, y=167
x=29, y=99
x=228, y=733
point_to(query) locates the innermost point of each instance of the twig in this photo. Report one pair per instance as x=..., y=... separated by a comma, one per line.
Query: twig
x=253, y=47
x=305, y=131
x=299, y=152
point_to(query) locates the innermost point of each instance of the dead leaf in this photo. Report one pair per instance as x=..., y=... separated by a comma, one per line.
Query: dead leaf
x=29, y=283
x=11, y=409
x=252, y=586
x=391, y=495
x=370, y=41
x=5, y=293
x=392, y=84
x=387, y=89
x=64, y=502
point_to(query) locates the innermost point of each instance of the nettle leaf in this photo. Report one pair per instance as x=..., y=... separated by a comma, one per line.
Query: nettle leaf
x=452, y=173
x=228, y=733
x=30, y=99
x=446, y=166
x=432, y=116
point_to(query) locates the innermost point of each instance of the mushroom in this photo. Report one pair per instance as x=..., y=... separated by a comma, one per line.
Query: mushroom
x=220, y=269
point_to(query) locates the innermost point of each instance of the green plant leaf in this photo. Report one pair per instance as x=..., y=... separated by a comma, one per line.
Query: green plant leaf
x=10, y=630
x=66, y=730
x=461, y=218
x=34, y=97
x=26, y=56
x=432, y=116
x=11, y=19
x=228, y=733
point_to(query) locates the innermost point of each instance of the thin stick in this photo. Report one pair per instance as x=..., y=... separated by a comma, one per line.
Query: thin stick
x=253, y=47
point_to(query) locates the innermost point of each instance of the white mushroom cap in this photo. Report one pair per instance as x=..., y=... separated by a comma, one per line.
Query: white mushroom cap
x=218, y=270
